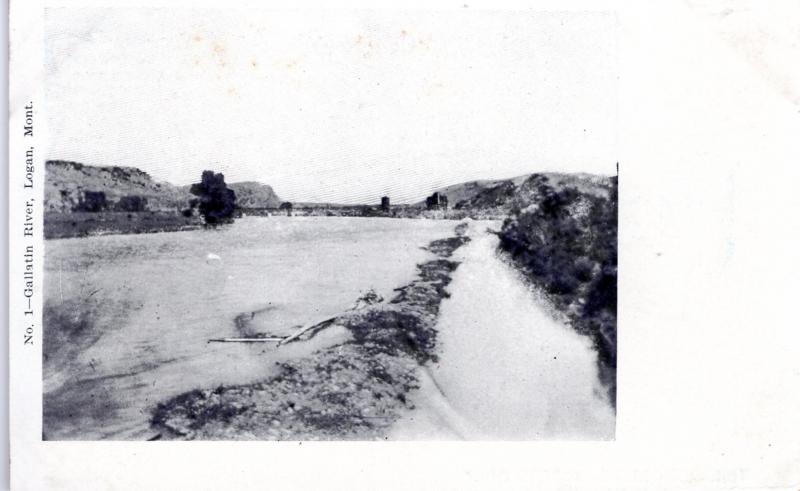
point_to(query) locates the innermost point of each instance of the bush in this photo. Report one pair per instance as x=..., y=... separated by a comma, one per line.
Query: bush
x=602, y=294
x=583, y=269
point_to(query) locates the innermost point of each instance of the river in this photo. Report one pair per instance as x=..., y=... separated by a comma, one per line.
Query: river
x=145, y=306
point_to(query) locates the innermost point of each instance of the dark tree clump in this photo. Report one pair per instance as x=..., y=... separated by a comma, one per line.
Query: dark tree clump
x=93, y=201
x=132, y=203
x=287, y=207
x=436, y=201
x=215, y=201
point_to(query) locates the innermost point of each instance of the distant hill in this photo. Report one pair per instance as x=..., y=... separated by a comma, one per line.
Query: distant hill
x=468, y=190
x=67, y=182
x=254, y=195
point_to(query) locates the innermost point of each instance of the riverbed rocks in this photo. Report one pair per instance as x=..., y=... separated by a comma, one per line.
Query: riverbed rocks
x=347, y=391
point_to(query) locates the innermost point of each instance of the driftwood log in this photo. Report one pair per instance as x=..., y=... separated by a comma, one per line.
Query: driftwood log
x=278, y=339
x=246, y=340
x=303, y=330
x=370, y=298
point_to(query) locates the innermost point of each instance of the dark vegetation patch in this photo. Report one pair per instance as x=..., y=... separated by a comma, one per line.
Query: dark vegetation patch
x=565, y=241
x=354, y=390
x=83, y=224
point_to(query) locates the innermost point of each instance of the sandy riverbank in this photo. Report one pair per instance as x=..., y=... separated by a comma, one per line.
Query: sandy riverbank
x=509, y=365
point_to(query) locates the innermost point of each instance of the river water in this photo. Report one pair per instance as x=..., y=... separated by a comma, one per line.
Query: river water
x=149, y=303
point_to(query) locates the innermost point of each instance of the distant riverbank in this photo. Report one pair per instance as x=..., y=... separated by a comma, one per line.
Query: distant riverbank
x=85, y=224
x=64, y=225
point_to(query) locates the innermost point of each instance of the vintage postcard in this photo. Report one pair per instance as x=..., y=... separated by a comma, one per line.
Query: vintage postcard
x=282, y=225
x=275, y=224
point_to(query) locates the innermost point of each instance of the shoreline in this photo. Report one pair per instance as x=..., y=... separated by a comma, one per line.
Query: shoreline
x=353, y=390
x=86, y=224
x=605, y=347
x=89, y=224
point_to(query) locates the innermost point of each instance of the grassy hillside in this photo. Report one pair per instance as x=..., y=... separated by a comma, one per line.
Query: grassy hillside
x=467, y=190
x=83, y=200
x=503, y=197
x=66, y=182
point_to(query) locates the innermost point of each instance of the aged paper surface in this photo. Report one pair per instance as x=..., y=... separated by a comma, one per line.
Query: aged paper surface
x=236, y=230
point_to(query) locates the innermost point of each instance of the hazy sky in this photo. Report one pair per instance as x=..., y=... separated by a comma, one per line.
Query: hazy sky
x=341, y=106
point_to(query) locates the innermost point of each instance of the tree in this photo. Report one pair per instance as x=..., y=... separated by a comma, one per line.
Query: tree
x=436, y=201
x=216, y=202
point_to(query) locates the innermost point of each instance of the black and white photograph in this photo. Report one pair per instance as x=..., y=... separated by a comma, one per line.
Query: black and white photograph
x=350, y=225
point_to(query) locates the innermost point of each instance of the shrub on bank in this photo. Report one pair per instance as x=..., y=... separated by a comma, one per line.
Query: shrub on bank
x=566, y=243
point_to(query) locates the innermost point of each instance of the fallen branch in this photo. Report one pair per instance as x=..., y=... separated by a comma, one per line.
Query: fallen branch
x=364, y=301
x=303, y=330
x=246, y=340
x=369, y=298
